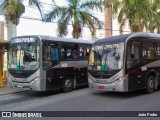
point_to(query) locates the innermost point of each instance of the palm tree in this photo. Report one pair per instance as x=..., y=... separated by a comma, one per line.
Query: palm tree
x=134, y=12
x=13, y=9
x=154, y=23
x=77, y=13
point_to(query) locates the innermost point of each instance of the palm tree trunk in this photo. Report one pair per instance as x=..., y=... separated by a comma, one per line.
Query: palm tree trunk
x=108, y=21
x=11, y=29
x=76, y=32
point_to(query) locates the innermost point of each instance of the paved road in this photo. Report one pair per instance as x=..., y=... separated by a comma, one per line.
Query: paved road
x=82, y=100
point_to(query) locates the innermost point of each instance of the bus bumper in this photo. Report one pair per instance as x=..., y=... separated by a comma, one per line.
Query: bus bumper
x=118, y=86
x=33, y=85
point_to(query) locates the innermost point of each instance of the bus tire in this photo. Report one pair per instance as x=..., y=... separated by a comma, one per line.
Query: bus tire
x=68, y=84
x=150, y=84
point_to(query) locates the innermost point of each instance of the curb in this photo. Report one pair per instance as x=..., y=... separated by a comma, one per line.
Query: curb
x=10, y=92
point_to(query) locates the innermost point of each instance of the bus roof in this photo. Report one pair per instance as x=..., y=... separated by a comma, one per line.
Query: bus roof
x=59, y=39
x=125, y=37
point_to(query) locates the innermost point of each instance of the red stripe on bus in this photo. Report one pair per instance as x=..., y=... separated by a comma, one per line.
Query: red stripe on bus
x=140, y=68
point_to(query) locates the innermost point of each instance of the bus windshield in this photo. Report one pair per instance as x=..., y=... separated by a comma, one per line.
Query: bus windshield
x=106, y=57
x=23, y=56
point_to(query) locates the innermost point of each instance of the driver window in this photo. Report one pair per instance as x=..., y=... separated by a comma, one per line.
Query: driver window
x=50, y=54
x=133, y=54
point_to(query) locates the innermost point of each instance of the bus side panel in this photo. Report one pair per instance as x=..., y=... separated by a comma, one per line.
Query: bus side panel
x=136, y=80
x=81, y=76
x=55, y=76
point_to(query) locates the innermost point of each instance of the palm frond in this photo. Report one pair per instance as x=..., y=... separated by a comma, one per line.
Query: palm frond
x=122, y=25
x=38, y=4
x=91, y=21
x=92, y=5
x=62, y=25
x=55, y=13
x=77, y=13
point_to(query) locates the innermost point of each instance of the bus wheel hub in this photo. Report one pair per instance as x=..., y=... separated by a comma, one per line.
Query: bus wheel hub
x=151, y=84
x=68, y=83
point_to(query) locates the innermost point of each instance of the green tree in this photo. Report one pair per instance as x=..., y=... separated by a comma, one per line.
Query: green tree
x=136, y=13
x=154, y=23
x=78, y=13
x=13, y=9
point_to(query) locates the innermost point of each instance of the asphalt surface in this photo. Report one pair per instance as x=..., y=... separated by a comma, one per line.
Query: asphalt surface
x=83, y=99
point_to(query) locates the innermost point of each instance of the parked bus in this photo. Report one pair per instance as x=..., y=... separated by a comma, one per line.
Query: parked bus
x=43, y=63
x=125, y=63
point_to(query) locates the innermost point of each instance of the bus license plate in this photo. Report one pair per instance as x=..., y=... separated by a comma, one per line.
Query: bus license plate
x=19, y=86
x=101, y=87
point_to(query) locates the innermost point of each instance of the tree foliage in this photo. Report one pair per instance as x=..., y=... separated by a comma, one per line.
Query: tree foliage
x=13, y=9
x=78, y=13
x=137, y=13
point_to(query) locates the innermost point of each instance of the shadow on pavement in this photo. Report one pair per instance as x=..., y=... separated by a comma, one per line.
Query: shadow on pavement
x=122, y=95
x=47, y=93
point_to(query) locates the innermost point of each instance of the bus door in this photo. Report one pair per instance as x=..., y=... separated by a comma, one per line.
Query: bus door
x=50, y=59
x=82, y=64
x=133, y=64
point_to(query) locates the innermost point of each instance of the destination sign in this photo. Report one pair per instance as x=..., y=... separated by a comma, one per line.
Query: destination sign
x=111, y=46
x=23, y=40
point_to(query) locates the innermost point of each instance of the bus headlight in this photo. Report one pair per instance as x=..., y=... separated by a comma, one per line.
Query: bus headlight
x=120, y=78
x=90, y=78
x=35, y=80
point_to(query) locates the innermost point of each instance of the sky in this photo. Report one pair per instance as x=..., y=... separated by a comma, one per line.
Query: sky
x=35, y=27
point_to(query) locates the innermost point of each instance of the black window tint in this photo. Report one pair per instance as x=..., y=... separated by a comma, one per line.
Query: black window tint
x=148, y=50
x=50, y=54
x=84, y=52
x=81, y=52
x=67, y=51
x=158, y=50
x=133, y=53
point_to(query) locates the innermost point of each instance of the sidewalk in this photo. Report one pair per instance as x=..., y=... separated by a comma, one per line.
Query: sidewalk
x=8, y=90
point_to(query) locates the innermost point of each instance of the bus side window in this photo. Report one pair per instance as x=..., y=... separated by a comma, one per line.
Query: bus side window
x=67, y=51
x=54, y=52
x=148, y=50
x=81, y=52
x=75, y=51
x=62, y=53
x=158, y=50
x=84, y=52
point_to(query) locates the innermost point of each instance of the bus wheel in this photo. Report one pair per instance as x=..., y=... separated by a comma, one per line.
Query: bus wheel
x=150, y=83
x=67, y=84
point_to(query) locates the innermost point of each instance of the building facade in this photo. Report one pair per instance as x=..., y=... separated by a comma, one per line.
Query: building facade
x=3, y=55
